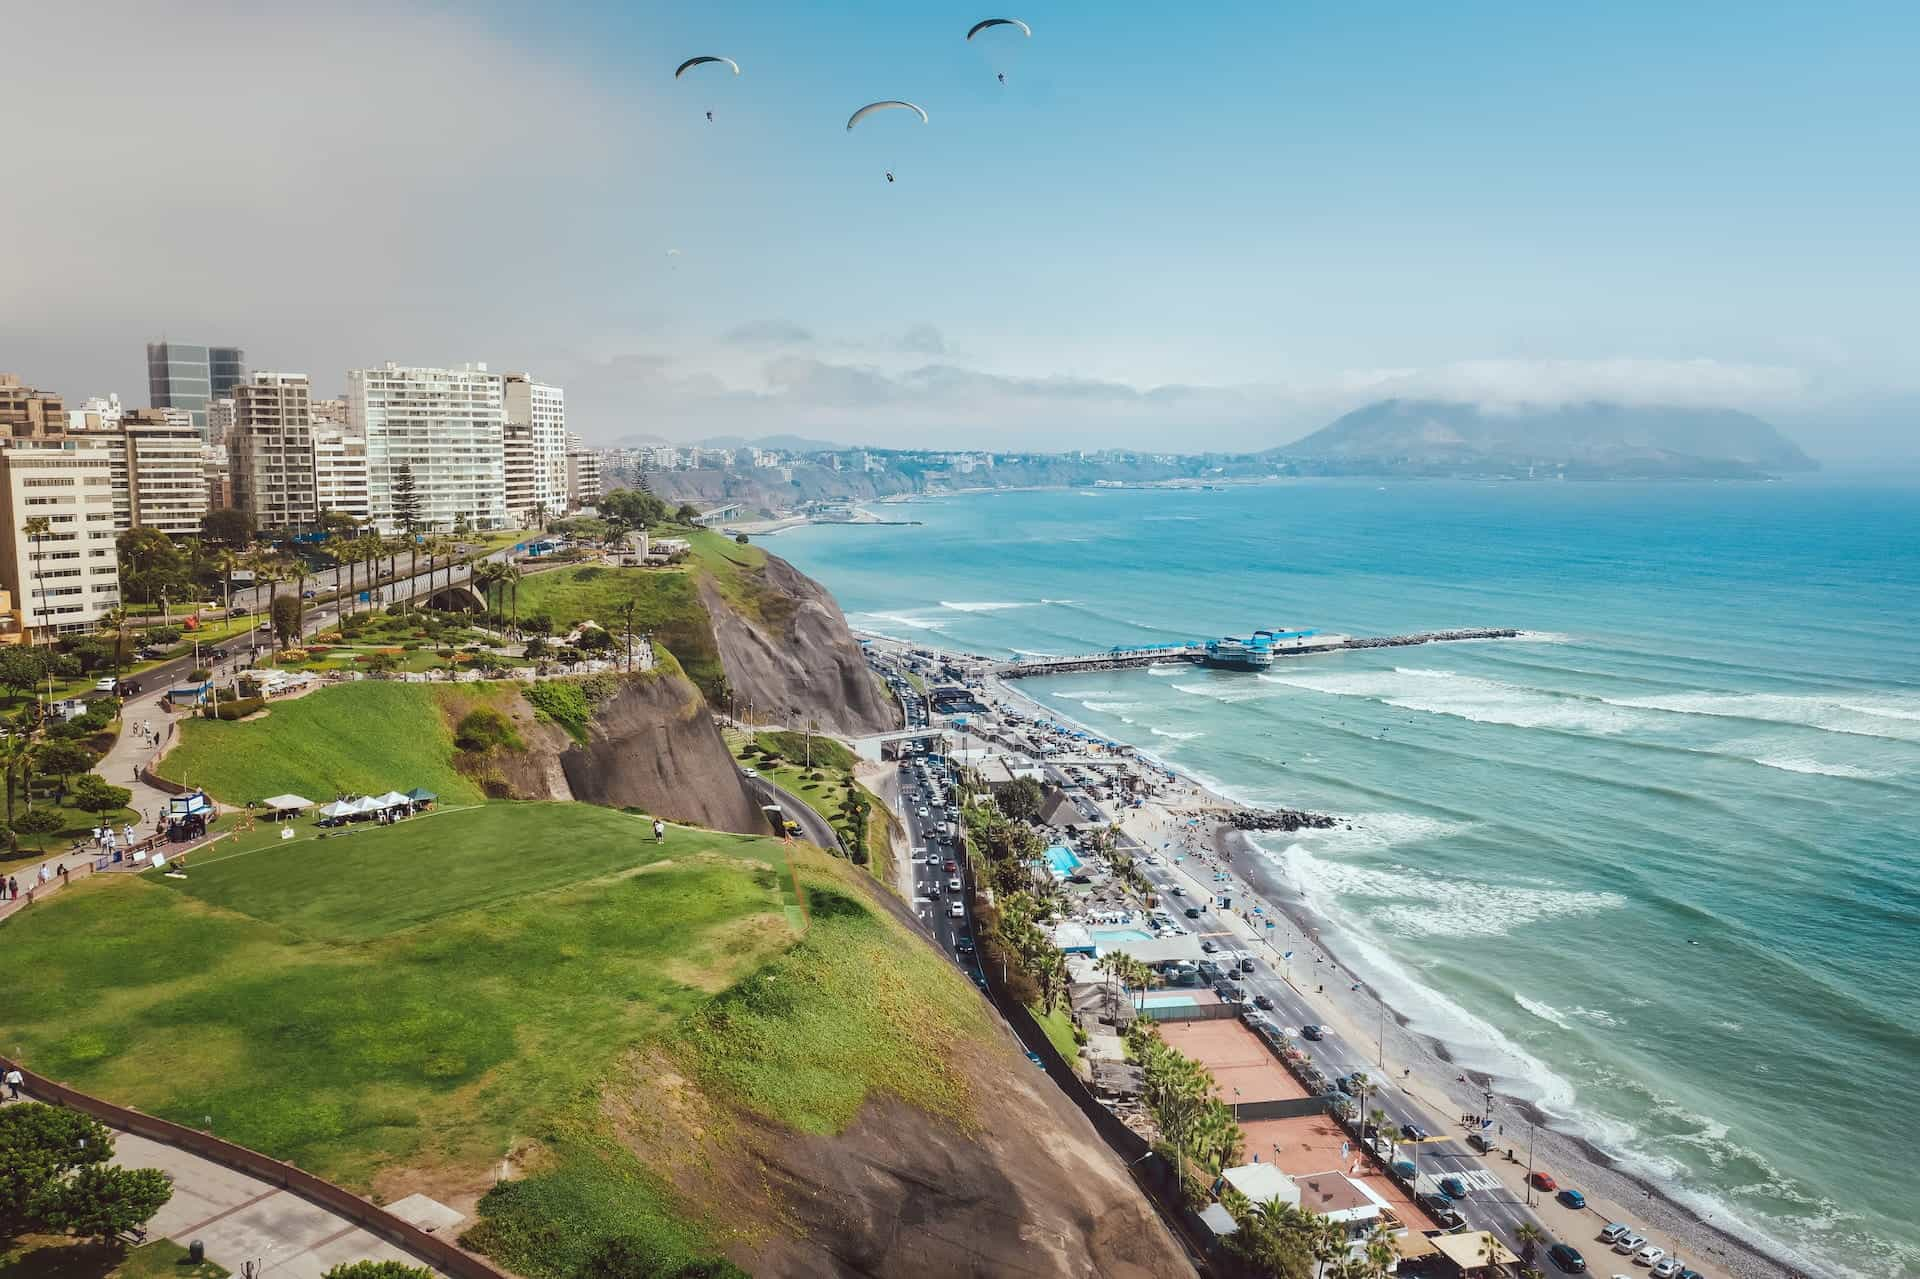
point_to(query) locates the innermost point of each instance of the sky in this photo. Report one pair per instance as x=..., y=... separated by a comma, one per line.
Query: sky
x=1179, y=227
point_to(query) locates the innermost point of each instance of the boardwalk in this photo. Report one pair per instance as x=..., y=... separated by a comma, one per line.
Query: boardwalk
x=1116, y=659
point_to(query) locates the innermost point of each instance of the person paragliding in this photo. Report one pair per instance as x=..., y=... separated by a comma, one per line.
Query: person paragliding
x=1003, y=80
x=705, y=60
x=889, y=175
x=997, y=50
x=891, y=104
x=709, y=117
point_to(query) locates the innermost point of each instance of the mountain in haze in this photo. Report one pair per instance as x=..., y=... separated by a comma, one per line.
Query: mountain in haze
x=773, y=443
x=1595, y=440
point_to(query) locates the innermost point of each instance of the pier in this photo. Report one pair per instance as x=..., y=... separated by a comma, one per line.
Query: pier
x=1119, y=658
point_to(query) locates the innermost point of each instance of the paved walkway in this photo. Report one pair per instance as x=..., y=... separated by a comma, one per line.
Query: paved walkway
x=241, y=1218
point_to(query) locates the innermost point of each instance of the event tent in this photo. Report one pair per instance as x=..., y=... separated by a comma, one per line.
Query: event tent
x=284, y=803
x=392, y=799
x=339, y=808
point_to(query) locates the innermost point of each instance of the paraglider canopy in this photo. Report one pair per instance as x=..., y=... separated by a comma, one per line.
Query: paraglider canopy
x=694, y=62
x=982, y=25
x=888, y=105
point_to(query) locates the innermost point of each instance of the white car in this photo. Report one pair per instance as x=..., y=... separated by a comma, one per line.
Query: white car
x=748, y=772
x=1614, y=1232
x=1667, y=1268
x=954, y=884
x=957, y=911
x=923, y=810
x=104, y=684
x=1649, y=1255
x=1628, y=1244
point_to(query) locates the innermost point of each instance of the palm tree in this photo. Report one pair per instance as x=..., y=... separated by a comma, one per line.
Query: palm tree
x=1327, y=1243
x=413, y=565
x=114, y=623
x=16, y=761
x=1529, y=1237
x=37, y=530
x=512, y=578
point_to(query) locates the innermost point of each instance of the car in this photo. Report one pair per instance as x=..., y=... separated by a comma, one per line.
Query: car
x=1177, y=891
x=151, y=653
x=953, y=885
x=1480, y=1142
x=957, y=911
x=1263, y=1002
x=1444, y=1214
x=1404, y=1169
x=1649, y=1255
x=963, y=947
x=1413, y=1132
x=1667, y=1268
x=923, y=810
x=1312, y=1032
x=1614, y=1231
x=1572, y=1198
x=1543, y=1181
x=104, y=684
x=127, y=687
x=1568, y=1258
x=1034, y=1057
x=748, y=772
x=1453, y=1187
x=1193, y=912
x=1628, y=1244
x=1209, y=946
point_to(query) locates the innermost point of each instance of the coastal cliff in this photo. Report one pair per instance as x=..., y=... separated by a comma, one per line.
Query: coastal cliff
x=652, y=745
x=787, y=651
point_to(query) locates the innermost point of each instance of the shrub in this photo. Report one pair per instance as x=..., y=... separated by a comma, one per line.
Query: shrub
x=483, y=728
x=40, y=821
x=239, y=708
x=161, y=636
x=291, y=655
x=199, y=675
x=444, y=654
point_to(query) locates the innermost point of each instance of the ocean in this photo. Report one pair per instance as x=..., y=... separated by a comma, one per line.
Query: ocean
x=1653, y=866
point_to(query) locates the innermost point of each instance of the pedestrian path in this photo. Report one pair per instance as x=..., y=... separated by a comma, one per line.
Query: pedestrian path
x=241, y=1218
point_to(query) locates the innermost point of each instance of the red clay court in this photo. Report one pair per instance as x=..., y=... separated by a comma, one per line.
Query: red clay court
x=1237, y=1059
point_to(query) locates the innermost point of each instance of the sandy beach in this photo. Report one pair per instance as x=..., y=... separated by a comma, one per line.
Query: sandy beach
x=1184, y=817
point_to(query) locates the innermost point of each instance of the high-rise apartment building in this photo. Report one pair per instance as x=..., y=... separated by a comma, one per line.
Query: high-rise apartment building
x=57, y=556
x=165, y=467
x=536, y=436
x=219, y=421
x=181, y=375
x=98, y=413
x=272, y=451
x=583, y=474
x=340, y=472
x=27, y=414
x=446, y=427
x=333, y=411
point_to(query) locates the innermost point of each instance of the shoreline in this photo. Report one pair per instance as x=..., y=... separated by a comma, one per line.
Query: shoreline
x=1354, y=1005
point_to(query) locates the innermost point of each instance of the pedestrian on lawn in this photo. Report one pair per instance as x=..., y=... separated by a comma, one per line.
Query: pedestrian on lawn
x=659, y=831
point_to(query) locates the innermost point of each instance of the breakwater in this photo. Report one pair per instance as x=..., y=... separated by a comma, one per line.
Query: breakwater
x=1120, y=658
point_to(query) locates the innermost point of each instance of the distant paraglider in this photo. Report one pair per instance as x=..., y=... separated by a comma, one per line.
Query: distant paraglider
x=891, y=104
x=1002, y=52
x=704, y=60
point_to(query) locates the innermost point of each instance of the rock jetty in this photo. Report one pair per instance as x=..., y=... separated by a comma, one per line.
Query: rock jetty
x=1280, y=819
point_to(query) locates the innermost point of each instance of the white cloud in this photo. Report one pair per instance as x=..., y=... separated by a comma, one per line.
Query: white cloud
x=1695, y=383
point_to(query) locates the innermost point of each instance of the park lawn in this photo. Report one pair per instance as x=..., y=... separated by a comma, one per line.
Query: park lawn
x=437, y=1046
x=362, y=738
x=342, y=883
x=63, y=1257
x=667, y=603
x=834, y=762
x=79, y=827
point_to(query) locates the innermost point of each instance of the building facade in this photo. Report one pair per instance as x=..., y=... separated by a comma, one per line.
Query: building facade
x=537, y=429
x=583, y=474
x=166, y=473
x=182, y=375
x=57, y=557
x=444, y=427
x=340, y=473
x=272, y=451
x=27, y=414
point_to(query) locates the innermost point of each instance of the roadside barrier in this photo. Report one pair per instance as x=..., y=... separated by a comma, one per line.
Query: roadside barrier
x=442, y=1254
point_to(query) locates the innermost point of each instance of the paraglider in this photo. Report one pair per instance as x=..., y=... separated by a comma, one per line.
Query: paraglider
x=889, y=175
x=1001, y=50
x=890, y=104
x=704, y=60
x=984, y=23
x=1003, y=80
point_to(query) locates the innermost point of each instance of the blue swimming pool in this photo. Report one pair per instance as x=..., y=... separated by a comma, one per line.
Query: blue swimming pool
x=1170, y=1001
x=1062, y=860
x=1115, y=936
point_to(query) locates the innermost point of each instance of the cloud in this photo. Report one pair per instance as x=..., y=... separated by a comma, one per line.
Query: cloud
x=768, y=333
x=923, y=339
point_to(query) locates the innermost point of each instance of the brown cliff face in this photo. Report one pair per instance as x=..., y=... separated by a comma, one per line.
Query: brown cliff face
x=796, y=660
x=653, y=746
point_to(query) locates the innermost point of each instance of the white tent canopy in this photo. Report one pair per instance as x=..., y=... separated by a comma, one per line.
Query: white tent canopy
x=280, y=803
x=392, y=799
x=339, y=808
x=367, y=804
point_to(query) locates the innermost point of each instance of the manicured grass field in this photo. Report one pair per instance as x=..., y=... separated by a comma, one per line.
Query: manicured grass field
x=305, y=1034
x=362, y=738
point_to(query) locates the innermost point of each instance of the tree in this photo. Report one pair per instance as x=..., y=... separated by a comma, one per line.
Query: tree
x=38, y=529
x=638, y=507
x=229, y=527
x=16, y=761
x=1528, y=1236
x=687, y=514
x=114, y=624
x=378, y=1270
x=40, y=1146
x=740, y=538
x=101, y=1200
x=62, y=760
x=406, y=498
x=287, y=614
x=95, y=794
x=1021, y=799
x=21, y=668
x=151, y=565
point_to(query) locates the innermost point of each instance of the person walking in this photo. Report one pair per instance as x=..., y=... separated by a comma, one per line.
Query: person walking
x=659, y=831
x=14, y=1081
x=13, y=888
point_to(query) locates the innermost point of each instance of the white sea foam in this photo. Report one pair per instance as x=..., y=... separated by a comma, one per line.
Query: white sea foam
x=1543, y=1010
x=1598, y=1016
x=1166, y=669
x=1032, y=652
x=1059, y=601
x=1468, y=697
x=1173, y=736
x=1804, y=764
x=865, y=622
x=1863, y=715
x=980, y=606
x=1110, y=708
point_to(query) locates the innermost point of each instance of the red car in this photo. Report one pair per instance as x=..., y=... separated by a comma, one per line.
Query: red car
x=951, y=866
x=1541, y=1181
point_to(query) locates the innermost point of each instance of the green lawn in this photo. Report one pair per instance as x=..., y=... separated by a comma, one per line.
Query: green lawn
x=361, y=738
x=49, y=1257
x=80, y=823
x=1059, y=1028
x=834, y=762
x=667, y=603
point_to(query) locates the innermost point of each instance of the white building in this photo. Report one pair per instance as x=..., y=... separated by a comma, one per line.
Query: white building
x=536, y=449
x=340, y=472
x=164, y=472
x=444, y=426
x=583, y=474
x=99, y=413
x=272, y=450
x=219, y=421
x=63, y=576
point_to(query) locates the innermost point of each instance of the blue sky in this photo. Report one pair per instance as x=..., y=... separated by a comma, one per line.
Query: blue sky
x=1268, y=212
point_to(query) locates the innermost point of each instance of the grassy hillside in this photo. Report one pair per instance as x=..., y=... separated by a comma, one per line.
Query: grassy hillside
x=359, y=738
x=828, y=788
x=666, y=602
x=405, y=1007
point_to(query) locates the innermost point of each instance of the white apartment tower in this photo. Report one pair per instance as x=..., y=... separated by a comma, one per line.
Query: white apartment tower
x=583, y=474
x=340, y=472
x=164, y=472
x=536, y=448
x=272, y=450
x=446, y=426
x=63, y=574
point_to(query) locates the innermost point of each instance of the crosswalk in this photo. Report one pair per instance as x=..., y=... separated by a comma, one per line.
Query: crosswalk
x=1472, y=1178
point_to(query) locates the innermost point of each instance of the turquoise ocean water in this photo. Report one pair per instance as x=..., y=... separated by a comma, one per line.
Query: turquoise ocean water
x=1713, y=736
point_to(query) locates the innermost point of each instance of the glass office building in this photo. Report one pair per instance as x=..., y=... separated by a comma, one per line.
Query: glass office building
x=183, y=376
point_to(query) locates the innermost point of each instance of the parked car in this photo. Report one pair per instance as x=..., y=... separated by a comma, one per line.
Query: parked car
x=1312, y=1032
x=1263, y=1002
x=1568, y=1258
x=1667, y=1268
x=1572, y=1198
x=1628, y=1244
x=1453, y=1188
x=1543, y=1181
x=1613, y=1232
x=1649, y=1255
x=1480, y=1142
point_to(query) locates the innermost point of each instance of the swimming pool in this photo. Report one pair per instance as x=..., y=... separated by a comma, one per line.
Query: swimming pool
x=1170, y=1001
x=1062, y=860
x=1115, y=936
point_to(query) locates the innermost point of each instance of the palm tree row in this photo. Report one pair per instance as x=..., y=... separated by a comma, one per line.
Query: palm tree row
x=1179, y=1092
